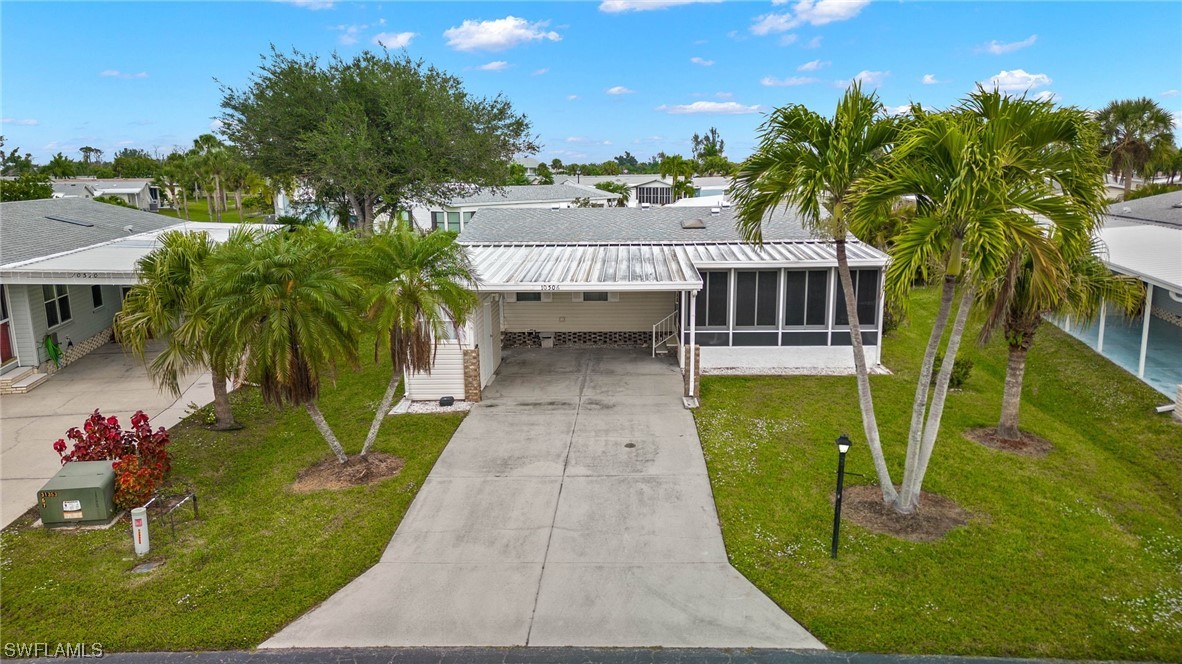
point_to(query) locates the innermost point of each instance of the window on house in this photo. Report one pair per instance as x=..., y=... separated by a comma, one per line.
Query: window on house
x=438, y=221
x=755, y=298
x=595, y=297
x=96, y=296
x=57, y=304
x=453, y=221
x=865, y=295
x=654, y=195
x=713, y=299
x=529, y=297
x=805, y=295
x=467, y=218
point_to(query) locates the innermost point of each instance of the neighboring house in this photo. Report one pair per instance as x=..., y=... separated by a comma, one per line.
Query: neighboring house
x=455, y=215
x=530, y=164
x=663, y=279
x=1143, y=238
x=653, y=190
x=65, y=265
x=140, y=192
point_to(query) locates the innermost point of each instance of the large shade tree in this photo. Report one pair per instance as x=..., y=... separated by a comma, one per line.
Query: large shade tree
x=170, y=303
x=1134, y=131
x=379, y=131
x=417, y=292
x=996, y=176
x=288, y=312
x=810, y=163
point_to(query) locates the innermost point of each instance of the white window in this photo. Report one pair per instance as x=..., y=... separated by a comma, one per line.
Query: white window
x=57, y=304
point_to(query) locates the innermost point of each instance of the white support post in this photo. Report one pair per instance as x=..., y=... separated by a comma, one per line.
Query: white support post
x=693, y=342
x=1103, y=319
x=881, y=294
x=1145, y=317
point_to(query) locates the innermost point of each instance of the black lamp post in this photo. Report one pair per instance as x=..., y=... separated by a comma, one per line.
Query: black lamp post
x=843, y=446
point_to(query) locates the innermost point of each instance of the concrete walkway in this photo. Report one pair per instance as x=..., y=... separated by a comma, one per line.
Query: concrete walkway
x=571, y=508
x=107, y=379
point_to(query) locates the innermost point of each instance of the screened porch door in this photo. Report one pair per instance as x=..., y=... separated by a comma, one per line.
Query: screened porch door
x=6, y=353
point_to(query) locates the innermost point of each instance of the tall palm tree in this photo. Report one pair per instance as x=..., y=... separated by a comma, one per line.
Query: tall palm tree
x=169, y=303
x=811, y=163
x=995, y=176
x=212, y=160
x=677, y=166
x=289, y=312
x=614, y=187
x=1017, y=312
x=1133, y=130
x=417, y=289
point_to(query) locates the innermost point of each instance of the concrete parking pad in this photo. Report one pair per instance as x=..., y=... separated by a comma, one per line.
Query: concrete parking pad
x=571, y=508
x=107, y=379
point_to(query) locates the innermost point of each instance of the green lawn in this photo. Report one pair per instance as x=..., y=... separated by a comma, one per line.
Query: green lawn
x=259, y=557
x=199, y=211
x=1077, y=554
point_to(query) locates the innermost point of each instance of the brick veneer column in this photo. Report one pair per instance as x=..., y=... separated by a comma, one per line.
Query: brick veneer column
x=472, y=374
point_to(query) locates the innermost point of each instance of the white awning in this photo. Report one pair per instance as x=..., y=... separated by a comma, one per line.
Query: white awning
x=577, y=267
x=781, y=254
x=109, y=263
x=1148, y=251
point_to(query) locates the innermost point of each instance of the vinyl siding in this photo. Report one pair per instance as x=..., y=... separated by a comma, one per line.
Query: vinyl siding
x=633, y=312
x=86, y=321
x=446, y=377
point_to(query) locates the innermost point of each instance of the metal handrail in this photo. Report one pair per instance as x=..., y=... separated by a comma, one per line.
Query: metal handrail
x=666, y=328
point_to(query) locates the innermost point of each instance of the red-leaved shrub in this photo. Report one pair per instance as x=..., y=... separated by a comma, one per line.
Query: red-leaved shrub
x=140, y=456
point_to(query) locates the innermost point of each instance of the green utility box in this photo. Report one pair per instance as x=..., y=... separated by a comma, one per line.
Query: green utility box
x=82, y=493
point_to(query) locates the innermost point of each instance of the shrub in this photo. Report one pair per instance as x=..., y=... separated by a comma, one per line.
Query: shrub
x=140, y=456
x=1152, y=189
x=961, y=369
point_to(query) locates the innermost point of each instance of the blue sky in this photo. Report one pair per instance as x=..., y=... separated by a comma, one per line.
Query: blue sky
x=595, y=78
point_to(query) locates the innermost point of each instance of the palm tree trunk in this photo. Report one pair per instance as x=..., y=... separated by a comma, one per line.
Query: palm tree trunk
x=865, y=399
x=383, y=410
x=318, y=418
x=209, y=204
x=919, y=406
x=221, y=404
x=238, y=204
x=1128, y=181
x=185, y=203
x=913, y=485
x=1011, y=399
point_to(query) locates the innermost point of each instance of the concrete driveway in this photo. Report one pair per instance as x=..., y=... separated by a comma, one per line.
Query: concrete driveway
x=571, y=508
x=107, y=379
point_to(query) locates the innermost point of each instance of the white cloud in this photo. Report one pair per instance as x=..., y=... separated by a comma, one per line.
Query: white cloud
x=215, y=125
x=866, y=78
x=904, y=109
x=20, y=122
x=115, y=73
x=814, y=65
x=495, y=65
x=929, y=79
x=1017, y=80
x=618, y=6
x=540, y=72
x=1171, y=93
x=808, y=12
x=788, y=39
x=572, y=97
x=998, y=48
x=724, y=95
x=498, y=35
x=314, y=5
x=394, y=39
x=716, y=107
x=124, y=143
x=815, y=42
x=1047, y=95
x=701, y=61
x=787, y=82
x=618, y=90
x=583, y=140
x=648, y=139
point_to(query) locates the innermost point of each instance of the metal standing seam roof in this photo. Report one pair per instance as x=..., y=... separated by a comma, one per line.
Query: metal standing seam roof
x=1148, y=251
x=641, y=266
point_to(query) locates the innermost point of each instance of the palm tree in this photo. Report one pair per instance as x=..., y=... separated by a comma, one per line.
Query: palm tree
x=60, y=166
x=676, y=166
x=417, y=289
x=1133, y=130
x=212, y=159
x=810, y=163
x=614, y=187
x=169, y=303
x=980, y=174
x=289, y=312
x=1017, y=312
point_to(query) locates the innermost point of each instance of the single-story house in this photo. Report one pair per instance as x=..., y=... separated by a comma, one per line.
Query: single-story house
x=140, y=192
x=665, y=279
x=455, y=215
x=1143, y=238
x=65, y=265
x=654, y=190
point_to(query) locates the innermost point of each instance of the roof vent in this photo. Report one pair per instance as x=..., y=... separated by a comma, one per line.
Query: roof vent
x=1177, y=205
x=1126, y=209
x=67, y=220
x=726, y=205
x=644, y=206
x=556, y=207
x=693, y=223
x=715, y=210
